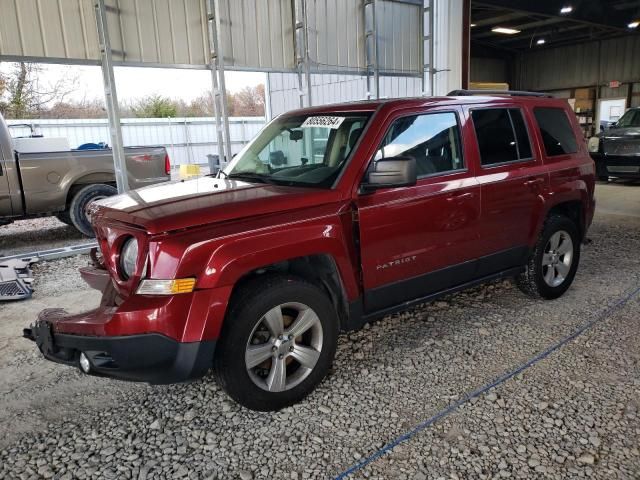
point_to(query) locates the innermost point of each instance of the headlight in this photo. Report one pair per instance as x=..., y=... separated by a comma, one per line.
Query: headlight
x=129, y=257
x=594, y=144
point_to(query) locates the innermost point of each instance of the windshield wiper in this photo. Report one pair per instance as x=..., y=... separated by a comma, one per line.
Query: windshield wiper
x=250, y=176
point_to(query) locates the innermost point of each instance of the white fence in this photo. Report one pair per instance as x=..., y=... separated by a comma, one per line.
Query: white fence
x=188, y=140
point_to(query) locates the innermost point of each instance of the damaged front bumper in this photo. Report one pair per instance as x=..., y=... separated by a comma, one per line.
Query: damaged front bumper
x=150, y=357
x=145, y=357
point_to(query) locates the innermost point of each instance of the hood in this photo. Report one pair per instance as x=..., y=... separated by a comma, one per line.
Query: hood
x=183, y=204
x=626, y=133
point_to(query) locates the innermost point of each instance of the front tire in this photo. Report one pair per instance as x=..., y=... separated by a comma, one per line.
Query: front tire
x=80, y=204
x=554, y=261
x=278, y=342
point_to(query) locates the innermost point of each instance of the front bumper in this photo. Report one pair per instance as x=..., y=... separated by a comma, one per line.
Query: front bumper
x=150, y=357
x=623, y=166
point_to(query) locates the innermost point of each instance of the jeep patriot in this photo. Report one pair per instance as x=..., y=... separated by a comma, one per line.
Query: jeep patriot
x=331, y=217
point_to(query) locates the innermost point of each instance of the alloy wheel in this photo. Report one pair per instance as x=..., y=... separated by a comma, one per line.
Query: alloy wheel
x=284, y=347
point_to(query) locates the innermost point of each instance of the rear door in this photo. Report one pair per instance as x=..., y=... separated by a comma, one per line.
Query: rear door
x=420, y=239
x=512, y=179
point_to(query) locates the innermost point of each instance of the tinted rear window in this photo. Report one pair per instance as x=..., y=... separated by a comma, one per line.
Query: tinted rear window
x=502, y=135
x=556, y=131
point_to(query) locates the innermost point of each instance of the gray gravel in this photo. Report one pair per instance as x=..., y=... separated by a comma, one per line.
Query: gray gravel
x=574, y=415
x=37, y=234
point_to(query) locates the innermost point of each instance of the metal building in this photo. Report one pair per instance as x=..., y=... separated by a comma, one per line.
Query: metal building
x=315, y=51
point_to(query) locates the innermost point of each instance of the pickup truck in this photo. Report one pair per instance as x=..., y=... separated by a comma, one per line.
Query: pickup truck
x=65, y=183
x=616, y=150
x=254, y=272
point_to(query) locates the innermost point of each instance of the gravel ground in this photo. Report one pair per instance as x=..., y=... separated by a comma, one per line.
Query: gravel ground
x=37, y=234
x=572, y=415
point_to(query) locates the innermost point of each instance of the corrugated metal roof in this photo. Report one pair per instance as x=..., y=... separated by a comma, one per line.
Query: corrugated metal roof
x=256, y=35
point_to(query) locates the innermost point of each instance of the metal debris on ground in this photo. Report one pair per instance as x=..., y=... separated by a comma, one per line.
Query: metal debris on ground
x=16, y=278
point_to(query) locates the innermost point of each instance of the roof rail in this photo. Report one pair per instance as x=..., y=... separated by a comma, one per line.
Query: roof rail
x=513, y=93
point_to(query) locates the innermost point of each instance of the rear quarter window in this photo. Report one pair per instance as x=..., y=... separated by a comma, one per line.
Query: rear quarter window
x=557, y=135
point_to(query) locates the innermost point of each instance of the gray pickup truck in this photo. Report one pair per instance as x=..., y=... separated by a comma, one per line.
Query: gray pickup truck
x=616, y=150
x=64, y=183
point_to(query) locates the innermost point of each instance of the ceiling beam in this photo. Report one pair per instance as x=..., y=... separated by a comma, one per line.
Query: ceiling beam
x=531, y=8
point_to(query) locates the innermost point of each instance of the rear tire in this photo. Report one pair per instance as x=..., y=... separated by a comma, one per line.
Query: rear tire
x=554, y=261
x=278, y=342
x=80, y=202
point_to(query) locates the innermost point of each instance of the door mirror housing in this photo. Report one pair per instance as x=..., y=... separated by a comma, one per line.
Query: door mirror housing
x=392, y=172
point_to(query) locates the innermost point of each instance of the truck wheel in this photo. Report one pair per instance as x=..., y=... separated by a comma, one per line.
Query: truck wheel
x=64, y=217
x=81, y=201
x=277, y=343
x=554, y=260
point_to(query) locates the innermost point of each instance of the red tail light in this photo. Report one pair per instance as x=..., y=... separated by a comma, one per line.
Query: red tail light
x=167, y=164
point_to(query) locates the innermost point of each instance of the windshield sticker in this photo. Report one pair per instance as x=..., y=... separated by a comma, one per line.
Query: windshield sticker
x=322, y=122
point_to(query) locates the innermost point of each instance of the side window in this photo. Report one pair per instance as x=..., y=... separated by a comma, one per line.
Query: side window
x=556, y=131
x=502, y=135
x=433, y=139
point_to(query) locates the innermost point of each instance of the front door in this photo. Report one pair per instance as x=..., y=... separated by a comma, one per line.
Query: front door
x=420, y=239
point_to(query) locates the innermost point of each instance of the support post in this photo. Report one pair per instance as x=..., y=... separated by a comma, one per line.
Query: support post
x=303, y=60
x=428, y=47
x=111, y=98
x=216, y=65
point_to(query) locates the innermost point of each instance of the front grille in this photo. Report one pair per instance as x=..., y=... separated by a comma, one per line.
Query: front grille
x=622, y=147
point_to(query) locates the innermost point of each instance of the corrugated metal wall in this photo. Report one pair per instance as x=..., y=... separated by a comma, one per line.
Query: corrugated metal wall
x=167, y=32
x=283, y=89
x=336, y=34
x=577, y=65
x=256, y=34
x=489, y=70
x=399, y=29
x=188, y=140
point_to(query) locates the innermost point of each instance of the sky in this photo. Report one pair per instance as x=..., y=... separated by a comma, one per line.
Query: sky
x=133, y=83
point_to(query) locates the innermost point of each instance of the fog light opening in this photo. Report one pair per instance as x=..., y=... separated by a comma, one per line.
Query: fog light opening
x=85, y=365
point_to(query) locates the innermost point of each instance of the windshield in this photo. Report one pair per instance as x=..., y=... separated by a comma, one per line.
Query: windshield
x=305, y=150
x=630, y=119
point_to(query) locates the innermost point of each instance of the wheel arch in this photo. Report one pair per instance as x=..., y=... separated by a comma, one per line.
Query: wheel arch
x=319, y=269
x=94, y=178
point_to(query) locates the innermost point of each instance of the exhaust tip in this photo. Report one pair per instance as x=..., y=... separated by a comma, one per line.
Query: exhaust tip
x=85, y=365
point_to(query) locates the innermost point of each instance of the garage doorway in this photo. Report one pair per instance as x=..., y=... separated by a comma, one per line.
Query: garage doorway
x=609, y=111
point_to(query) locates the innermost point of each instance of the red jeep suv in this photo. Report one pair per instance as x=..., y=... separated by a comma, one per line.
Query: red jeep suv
x=331, y=217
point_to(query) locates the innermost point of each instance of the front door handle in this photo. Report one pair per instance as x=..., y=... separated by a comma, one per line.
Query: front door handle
x=460, y=197
x=534, y=182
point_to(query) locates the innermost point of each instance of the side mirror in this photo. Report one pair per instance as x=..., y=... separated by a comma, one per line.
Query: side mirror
x=392, y=172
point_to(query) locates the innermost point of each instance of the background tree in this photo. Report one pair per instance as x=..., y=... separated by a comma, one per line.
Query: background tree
x=25, y=94
x=155, y=106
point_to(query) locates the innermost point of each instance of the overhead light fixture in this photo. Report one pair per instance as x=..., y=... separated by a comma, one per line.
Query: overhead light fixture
x=472, y=24
x=505, y=30
x=566, y=9
x=541, y=41
x=634, y=24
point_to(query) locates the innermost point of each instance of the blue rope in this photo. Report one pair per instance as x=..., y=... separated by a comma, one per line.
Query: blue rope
x=479, y=391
